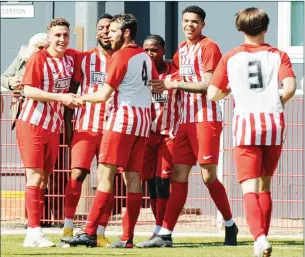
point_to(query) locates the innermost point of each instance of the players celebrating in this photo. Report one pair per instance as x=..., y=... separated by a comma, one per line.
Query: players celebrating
x=46, y=84
x=127, y=129
x=200, y=126
x=91, y=72
x=253, y=71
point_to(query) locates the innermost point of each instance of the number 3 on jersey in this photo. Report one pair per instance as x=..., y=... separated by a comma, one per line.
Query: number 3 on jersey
x=255, y=75
x=144, y=73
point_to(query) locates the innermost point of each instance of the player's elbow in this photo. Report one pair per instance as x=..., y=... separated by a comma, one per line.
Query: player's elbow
x=212, y=93
x=290, y=85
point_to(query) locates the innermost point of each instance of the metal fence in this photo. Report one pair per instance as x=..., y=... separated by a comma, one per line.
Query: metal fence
x=199, y=213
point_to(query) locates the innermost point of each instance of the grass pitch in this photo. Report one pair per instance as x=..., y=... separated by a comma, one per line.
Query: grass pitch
x=11, y=245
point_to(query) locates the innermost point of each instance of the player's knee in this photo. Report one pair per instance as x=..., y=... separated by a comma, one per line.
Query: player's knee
x=152, y=188
x=34, y=177
x=79, y=174
x=208, y=172
x=133, y=182
x=265, y=184
x=162, y=187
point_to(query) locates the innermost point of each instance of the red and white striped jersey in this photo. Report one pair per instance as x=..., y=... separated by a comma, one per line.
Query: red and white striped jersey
x=91, y=71
x=129, y=72
x=253, y=73
x=52, y=75
x=166, y=106
x=193, y=61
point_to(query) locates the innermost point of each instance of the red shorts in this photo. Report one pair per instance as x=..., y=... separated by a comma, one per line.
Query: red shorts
x=158, y=157
x=254, y=161
x=197, y=142
x=85, y=145
x=122, y=150
x=38, y=146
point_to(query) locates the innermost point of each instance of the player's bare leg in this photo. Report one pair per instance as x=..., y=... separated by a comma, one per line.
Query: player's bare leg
x=220, y=198
x=134, y=201
x=254, y=216
x=35, y=237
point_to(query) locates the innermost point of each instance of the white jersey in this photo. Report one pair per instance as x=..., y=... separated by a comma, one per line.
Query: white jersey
x=253, y=73
x=130, y=70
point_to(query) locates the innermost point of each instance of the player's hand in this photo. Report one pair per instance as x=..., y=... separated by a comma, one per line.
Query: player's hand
x=15, y=83
x=157, y=86
x=80, y=101
x=69, y=100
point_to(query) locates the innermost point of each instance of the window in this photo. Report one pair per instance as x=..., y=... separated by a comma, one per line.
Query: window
x=291, y=29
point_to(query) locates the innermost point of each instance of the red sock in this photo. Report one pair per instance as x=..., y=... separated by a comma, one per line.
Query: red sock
x=72, y=195
x=254, y=214
x=265, y=202
x=106, y=214
x=32, y=196
x=153, y=206
x=133, y=207
x=175, y=204
x=99, y=205
x=220, y=198
x=161, y=208
x=41, y=202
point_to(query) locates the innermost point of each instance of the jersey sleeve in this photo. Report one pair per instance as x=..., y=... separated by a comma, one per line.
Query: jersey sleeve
x=117, y=71
x=33, y=74
x=77, y=74
x=210, y=57
x=285, y=69
x=220, y=76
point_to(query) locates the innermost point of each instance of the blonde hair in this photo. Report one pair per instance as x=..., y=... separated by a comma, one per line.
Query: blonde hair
x=58, y=22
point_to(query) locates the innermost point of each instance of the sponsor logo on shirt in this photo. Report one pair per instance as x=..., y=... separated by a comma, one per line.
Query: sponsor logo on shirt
x=62, y=84
x=187, y=70
x=159, y=98
x=98, y=77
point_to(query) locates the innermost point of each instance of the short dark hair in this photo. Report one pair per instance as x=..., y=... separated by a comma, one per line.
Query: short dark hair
x=195, y=9
x=252, y=21
x=128, y=21
x=157, y=38
x=58, y=22
x=105, y=16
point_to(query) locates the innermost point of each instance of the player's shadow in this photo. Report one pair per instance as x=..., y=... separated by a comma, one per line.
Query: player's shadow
x=240, y=243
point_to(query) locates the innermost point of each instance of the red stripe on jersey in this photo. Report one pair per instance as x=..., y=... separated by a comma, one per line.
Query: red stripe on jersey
x=236, y=129
x=33, y=107
x=273, y=133
x=141, y=132
x=244, y=124
x=135, y=121
x=125, y=123
x=252, y=129
x=114, y=110
x=282, y=124
x=263, y=124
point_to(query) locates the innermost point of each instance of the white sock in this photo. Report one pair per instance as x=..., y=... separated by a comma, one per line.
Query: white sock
x=100, y=230
x=164, y=232
x=261, y=238
x=157, y=229
x=68, y=223
x=229, y=223
x=34, y=231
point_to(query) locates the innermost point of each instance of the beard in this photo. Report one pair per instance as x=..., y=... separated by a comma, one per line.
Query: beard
x=104, y=46
x=117, y=44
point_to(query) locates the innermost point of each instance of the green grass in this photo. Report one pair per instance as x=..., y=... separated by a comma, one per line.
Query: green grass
x=186, y=247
